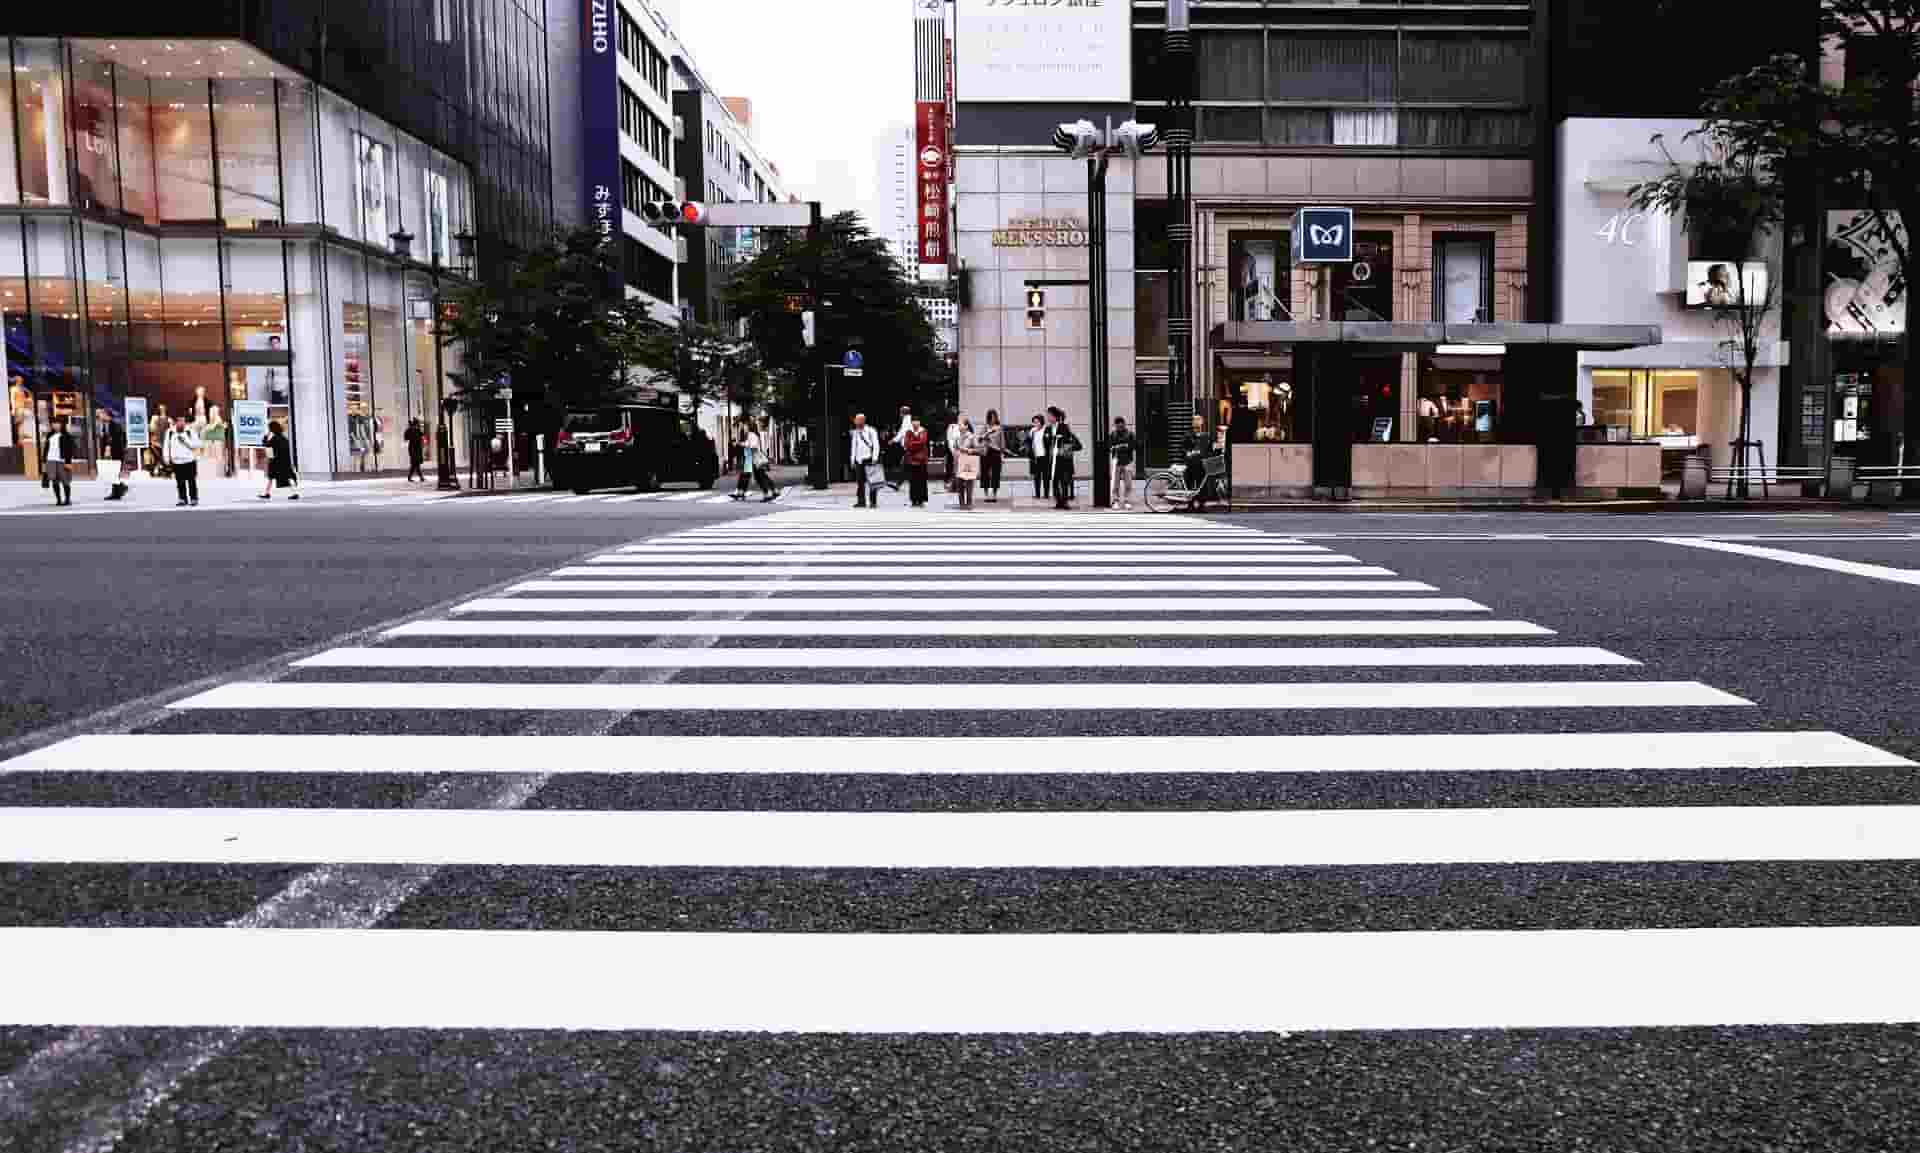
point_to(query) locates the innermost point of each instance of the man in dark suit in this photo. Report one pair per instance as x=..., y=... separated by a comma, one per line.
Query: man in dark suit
x=1061, y=445
x=116, y=442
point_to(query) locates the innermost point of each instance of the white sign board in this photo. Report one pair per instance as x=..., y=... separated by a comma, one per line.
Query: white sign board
x=250, y=423
x=1043, y=52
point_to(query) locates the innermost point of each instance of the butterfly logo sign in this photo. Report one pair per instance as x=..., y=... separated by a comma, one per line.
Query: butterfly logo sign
x=1326, y=237
x=1323, y=235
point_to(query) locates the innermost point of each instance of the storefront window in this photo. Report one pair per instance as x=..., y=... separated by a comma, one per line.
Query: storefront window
x=190, y=298
x=39, y=94
x=1374, y=399
x=148, y=334
x=1150, y=304
x=135, y=117
x=1259, y=271
x=183, y=150
x=339, y=129
x=299, y=152
x=1363, y=290
x=309, y=325
x=243, y=123
x=1260, y=409
x=386, y=319
x=17, y=432
x=353, y=357
x=1463, y=279
x=96, y=179
x=1639, y=404
x=1459, y=399
x=9, y=163
x=102, y=255
x=56, y=373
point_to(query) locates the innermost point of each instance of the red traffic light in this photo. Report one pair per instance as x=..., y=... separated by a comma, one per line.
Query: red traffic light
x=693, y=212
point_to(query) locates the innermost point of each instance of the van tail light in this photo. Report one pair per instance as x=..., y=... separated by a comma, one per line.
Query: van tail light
x=621, y=436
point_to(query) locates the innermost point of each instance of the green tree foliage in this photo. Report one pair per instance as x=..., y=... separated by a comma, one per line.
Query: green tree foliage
x=702, y=361
x=863, y=301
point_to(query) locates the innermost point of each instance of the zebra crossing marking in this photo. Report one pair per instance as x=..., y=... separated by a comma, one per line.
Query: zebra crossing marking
x=937, y=604
x=935, y=568
x=877, y=626
x=808, y=583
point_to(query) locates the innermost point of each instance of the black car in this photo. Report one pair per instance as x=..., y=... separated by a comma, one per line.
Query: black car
x=643, y=445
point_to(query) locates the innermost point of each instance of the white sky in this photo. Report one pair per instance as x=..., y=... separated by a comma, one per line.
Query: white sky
x=826, y=78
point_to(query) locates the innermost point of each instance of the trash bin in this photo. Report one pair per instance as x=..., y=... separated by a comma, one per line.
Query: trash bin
x=1693, y=478
x=1840, y=478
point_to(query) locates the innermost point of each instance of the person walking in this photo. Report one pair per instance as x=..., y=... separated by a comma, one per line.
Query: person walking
x=1061, y=445
x=966, y=467
x=117, y=449
x=761, y=465
x=416, y=451
x=993, y=450
x=916, y=446
x=181, y=451
x=280, y=472
x=863, y=457
x=743, y=461
x=953, y=446
x=1120, y=446
x=56, y=463
x=1037, y=458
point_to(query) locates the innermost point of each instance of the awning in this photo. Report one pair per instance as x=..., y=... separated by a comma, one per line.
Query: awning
x=1379, y=334
x=1254, y=362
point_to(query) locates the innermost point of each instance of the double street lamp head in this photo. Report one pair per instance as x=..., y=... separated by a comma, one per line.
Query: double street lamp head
x=1083, y=139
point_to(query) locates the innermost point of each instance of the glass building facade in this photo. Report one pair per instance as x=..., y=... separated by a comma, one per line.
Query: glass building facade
x=267, y=217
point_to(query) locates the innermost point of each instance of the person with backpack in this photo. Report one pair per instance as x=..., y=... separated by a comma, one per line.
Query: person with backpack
x=1120, y=447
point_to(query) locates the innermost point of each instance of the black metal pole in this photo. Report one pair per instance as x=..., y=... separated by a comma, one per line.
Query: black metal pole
x=1178, y=52
x=1097, y=319
x=817, y=453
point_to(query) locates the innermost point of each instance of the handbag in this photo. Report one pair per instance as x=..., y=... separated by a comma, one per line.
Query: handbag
x=109, y=471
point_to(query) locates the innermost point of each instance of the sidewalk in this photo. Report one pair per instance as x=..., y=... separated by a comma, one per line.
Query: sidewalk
x=243, y=488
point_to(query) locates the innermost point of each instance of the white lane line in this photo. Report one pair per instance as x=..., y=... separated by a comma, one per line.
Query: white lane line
x=634, y=496
x=718, y=500
x=877, y=627
x=930, y=840
x=843, y=607
x=604, y=657
x=811, y=581
x=360, y=753
x=582, y=498
x=1201, y=563
x=1806, y=560
x=1060, y=566
x=1050, y=697
x=696, y=494
x=959, y=983
x=674, y=545
x=537, y=498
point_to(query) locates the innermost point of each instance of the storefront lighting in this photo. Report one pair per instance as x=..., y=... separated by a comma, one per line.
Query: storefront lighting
x=1471, y=350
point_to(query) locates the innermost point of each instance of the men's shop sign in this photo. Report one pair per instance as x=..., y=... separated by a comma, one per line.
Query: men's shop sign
x=1040, y=232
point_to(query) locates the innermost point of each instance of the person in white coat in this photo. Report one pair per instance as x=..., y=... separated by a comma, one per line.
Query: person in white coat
x=863, y=457
x=182, y=452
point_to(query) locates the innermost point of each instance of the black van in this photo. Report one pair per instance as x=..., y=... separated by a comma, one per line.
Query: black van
x=641, y=444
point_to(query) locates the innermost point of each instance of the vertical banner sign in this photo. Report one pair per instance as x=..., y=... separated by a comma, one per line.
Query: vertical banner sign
x=599, y=112
x=930, y=148
x=137, y=422
x=250, y=423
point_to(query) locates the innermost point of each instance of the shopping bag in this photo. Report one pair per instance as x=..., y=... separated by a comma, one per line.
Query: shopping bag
x=109, y=471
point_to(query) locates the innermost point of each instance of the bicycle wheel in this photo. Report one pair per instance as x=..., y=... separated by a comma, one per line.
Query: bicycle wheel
x=1159, y=493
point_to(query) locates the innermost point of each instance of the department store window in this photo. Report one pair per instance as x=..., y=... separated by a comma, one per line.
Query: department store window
x=138, y=181
x=182, y=123
x=1259, y=276
x=95, y=163
x=40, y=122
x=1463, y=278
x=243, y=125
x=9, y=161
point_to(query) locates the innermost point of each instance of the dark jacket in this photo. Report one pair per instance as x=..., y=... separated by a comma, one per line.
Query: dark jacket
x=282, y=463
x=1061, y=443
x=1121, y=445
x=416, y=441
x=116, y=440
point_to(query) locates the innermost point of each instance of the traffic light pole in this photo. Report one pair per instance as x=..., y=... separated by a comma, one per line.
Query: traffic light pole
x=820, y=452
x=1097, y=321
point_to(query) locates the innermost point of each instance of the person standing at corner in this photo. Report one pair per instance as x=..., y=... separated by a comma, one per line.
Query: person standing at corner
x=1061, y=445
x=761, y=464
x=1120, y=446
x=1037, y=458
x=954, y=433
x=416, y=451
x=916, y=446
x=743, y=460
x=182, y=449
x=280, y=472
x=57, y=462
x=966, y=469
x=993, y=449
x=117, y=449
x=863, y=457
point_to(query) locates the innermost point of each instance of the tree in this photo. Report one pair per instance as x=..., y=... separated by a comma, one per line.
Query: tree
x=1862, y=134
x=1733, y=200
x=551, y=323
x=701, y=361
x=861, y=301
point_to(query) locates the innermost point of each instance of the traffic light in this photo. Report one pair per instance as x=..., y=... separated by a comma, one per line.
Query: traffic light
x=674, y=212
x=1036, y=309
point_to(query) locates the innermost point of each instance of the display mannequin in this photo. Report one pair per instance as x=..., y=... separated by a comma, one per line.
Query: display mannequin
x=156, y=436
x=216, y=440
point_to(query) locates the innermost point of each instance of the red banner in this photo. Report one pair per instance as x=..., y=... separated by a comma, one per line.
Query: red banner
x=930, y=150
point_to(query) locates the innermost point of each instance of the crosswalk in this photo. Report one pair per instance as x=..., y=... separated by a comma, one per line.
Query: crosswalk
x=1351, y=778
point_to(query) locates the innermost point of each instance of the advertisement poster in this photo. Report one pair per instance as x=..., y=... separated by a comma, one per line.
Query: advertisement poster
x=137, y=422
x=1080, y=53
x=269, y=382
x=439, y=239
x=1256, y=289
x=930, y=147
x=1866, y=295
x=370, y=188
x=250, y=423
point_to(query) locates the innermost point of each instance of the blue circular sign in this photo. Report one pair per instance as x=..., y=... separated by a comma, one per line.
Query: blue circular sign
x=853, y=359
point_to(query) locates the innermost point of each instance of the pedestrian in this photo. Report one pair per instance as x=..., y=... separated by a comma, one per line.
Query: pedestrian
x=181, y=451
x=966, y=468
x=56, y=470
x=743, y=461
x=1061, y=445
x=416, y=451
x=280, y=473
x=1037, y=458
x=863, y=457
x=761, y=465
x=117, y=449
x=917, y=452
x=993, y=450
x=953, y=446
x=1120, y=446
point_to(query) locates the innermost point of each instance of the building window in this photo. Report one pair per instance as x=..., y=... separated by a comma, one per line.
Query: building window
x=1459, y=399
x=1463, y=278
x=1259, y=270
x=1648, y=405
x=1363, y=290
x=638, y=189
x=647, y=270
x=650, y=132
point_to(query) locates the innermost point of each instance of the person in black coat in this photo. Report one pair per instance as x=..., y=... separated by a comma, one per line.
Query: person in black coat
x=280, y=472
x=117, y=449
x=1061, y=445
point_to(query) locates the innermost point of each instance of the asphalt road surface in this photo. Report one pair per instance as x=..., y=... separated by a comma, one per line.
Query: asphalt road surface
x=501, y=824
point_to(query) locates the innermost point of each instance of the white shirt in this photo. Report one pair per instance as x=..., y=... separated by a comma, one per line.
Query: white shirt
x=1037, y=443
x=953, y=439
x=906, y=426
x=865, y=445
x=181, y=445
x=53, y=449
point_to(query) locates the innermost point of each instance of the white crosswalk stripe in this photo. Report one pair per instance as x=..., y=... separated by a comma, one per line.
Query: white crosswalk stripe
x=812, y=701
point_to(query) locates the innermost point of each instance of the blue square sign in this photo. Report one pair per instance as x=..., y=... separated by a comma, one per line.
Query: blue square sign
x=1323, y=236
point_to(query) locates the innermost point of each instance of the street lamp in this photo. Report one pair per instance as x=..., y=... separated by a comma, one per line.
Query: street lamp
x=1177, y=51
x=1083, y=140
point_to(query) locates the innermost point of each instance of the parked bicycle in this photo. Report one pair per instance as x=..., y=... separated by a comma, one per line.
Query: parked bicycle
x=1168, y=490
